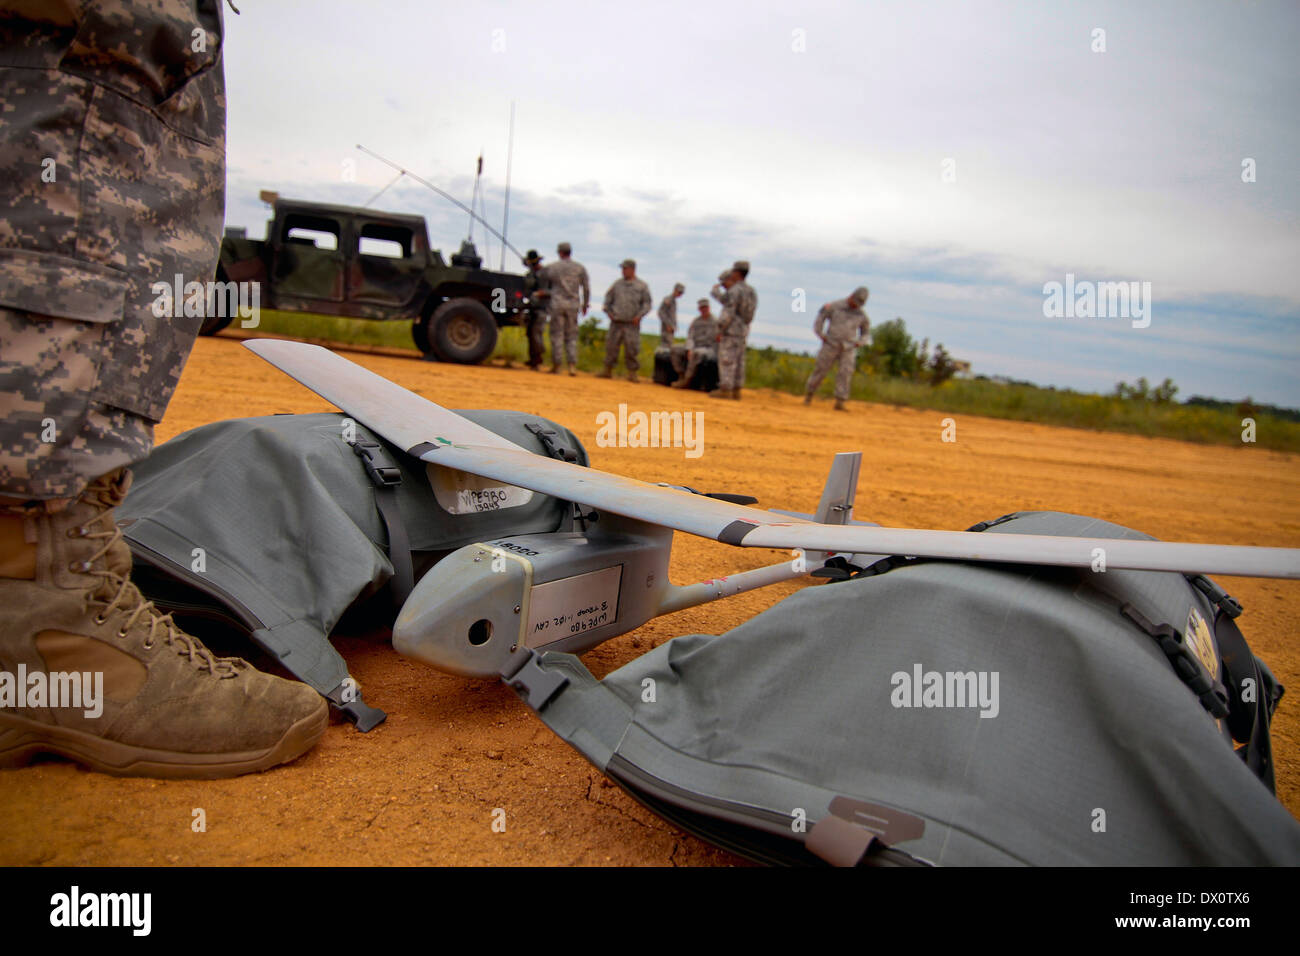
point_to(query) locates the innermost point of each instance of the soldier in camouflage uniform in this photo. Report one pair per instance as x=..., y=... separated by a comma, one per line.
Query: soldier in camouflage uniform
x=112, y=141
x=739, y=303
x=668, y=315
x=703, y=338
x=536, y=288
x=842, y=326
x=627, y=302
x=570, y=293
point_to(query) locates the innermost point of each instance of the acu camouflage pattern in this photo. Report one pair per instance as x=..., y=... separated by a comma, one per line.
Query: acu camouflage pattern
x=739, y=303
x=703, y=333
x=667, y=319
x=133, y=117
x=570, y=292
x=703, y=339
x=628, y=300
x=842, y=328
x=626, y=303
x=841, y=323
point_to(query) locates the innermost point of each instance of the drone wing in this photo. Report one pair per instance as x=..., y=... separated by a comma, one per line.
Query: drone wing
x=434, y=434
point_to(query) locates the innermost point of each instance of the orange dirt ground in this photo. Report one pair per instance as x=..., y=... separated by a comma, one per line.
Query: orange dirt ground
x=422, y=788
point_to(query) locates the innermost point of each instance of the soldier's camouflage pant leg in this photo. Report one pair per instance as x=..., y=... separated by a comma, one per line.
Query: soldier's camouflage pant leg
x=112, y=149
x=696, y=357
x=832, y=355
x=564, y=334
x=731, y=362
x=628, y=336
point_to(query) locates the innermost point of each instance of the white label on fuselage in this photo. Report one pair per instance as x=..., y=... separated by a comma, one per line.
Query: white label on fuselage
x=461, y=493
x=572, y=606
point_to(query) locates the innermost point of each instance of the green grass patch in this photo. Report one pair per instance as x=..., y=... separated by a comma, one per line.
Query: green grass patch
x=788, y=372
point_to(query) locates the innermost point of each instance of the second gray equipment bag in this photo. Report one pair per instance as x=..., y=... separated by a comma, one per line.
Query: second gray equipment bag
x=934, y=712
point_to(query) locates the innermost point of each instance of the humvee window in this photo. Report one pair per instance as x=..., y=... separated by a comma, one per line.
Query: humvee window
x=391, y=242
x=311, y=231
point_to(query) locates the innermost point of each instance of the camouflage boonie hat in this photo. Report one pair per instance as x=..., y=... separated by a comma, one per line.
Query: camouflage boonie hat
x=627, y=264
x=563, y=247
x=740, y=265
x=702, y=302
x=860, y=293
x=679, y=288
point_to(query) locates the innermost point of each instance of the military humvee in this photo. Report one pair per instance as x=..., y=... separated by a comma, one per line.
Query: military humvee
x=366, y=264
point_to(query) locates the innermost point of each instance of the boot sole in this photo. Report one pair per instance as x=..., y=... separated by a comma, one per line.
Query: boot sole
x=21, y=739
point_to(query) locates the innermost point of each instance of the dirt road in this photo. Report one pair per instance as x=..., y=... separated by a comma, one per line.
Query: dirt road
x=422, y=787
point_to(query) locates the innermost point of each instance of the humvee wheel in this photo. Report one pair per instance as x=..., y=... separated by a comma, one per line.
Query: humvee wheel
x=420, y=336
x=212, y=324
x=462, y=330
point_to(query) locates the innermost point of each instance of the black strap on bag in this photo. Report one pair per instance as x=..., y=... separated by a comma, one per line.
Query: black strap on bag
x=386, y=476
x=549, y=438
x=1246, y=695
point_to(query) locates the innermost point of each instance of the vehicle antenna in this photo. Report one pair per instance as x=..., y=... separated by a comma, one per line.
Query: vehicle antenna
x=505, y=217
x=384, y=190
x=451, y=199
x=473, y=202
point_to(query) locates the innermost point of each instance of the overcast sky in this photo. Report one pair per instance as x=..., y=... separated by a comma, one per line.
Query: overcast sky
x=953, y=157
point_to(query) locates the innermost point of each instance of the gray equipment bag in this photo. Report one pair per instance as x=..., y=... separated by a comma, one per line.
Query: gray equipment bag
x=277, y=525
x=948, y=713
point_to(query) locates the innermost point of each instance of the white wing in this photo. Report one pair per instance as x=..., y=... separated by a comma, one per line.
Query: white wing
x=433, y=433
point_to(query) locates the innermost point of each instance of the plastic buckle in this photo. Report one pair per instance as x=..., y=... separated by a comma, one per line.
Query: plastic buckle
x=536, y=685
x=355, y=709
x=382, y=470
x=1220, y=598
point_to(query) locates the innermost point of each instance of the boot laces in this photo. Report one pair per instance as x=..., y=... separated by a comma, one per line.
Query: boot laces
x=127, y=597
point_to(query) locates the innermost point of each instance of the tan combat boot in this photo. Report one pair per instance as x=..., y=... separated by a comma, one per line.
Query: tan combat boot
x=555, y=370
x=807, y=398
x=608, y=372
x=680, y=383
x=839, y=405
x=138, y=696
x=633, y=378
x=735, y=394
x=720, y=393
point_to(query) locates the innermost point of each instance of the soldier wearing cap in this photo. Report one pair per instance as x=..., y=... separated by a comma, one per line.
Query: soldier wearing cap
x=739, y=302
x=703, y=339
x=570, y=294
x=842, y=326
x=536, y=288
x=626, y=303
x=668, y=316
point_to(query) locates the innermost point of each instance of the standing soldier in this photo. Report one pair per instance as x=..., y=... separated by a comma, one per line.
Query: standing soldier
x=845, y=328
x=703, y=339
x=627, y=302
x=535, y=287
x=570, y=293
x=112, y=142
x=739, y=302
x=668, y=316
